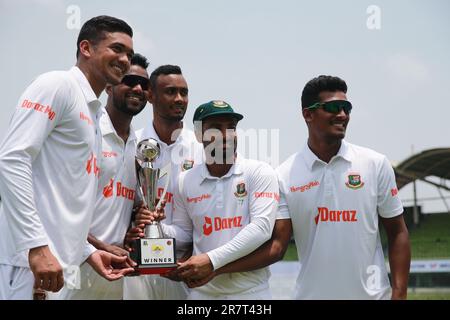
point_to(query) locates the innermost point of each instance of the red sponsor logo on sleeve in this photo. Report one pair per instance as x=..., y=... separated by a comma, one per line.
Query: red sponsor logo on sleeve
x=270, y=195
x=39, y=108
x=394, y=192
x=86, y=118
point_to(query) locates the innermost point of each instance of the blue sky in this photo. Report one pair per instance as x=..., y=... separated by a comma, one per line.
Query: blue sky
x=258, y=55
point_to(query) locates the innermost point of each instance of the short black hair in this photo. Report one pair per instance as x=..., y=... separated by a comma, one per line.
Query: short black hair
x=139, y=60
x=314, y=87
x=95, y=28
x=165, y=70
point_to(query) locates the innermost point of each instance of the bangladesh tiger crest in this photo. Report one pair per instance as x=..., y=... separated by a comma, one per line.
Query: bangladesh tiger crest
x=219, y=104
x=354, y=181
x=240, y=190
x=187, y=164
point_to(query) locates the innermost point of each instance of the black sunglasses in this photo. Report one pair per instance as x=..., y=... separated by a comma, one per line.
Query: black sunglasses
x=333, y=106
x=132, y=80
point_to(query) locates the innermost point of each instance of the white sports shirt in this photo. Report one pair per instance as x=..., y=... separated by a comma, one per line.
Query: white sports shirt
x=49, y=170
x=334, y=210
x=227, y=218
x=183, y=154
x=117, y=185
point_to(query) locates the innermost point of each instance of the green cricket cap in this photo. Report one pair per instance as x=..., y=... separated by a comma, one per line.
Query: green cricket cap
x=214, y=108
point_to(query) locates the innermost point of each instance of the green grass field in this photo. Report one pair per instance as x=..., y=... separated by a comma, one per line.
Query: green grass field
x=428, y=295
x=431, y=240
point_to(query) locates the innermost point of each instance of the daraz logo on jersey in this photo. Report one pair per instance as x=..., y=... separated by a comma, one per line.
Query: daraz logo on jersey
x=122, y=191
x=91, y=165
x=39, y=108
x=326, y=215
x=218, y=224
x=168, y=197
x=109, y=189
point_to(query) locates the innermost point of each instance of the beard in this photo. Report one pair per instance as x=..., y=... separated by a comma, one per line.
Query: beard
x=120, y=103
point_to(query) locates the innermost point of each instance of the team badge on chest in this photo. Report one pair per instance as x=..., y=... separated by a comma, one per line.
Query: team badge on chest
x=240, y=190
x=354, y=181
x=187, y=164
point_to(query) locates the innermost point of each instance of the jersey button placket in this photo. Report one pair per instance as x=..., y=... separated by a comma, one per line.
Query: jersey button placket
x=328, y=179
x=219, y=193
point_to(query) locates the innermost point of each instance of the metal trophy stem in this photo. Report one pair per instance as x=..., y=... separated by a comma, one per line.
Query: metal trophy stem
x=156, y=253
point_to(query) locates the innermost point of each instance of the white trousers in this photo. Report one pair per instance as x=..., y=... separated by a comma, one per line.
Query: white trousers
x=153, y=287
x=263, y=294
x=92, y=286
x=16, y=283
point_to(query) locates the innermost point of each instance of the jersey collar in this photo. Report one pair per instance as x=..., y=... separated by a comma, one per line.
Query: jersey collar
x=150, y=132
x=107, y=127
x=311, y=159
x=236, y=169
x=86, y=88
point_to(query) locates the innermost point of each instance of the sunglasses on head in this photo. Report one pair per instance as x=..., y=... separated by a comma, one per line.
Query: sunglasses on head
x=132, y=80
x=333, y=106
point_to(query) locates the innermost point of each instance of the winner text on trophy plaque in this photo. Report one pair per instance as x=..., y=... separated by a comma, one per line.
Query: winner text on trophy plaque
x=155, y=253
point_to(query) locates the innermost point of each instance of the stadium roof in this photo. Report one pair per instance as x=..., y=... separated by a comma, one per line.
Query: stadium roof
x=433, y=162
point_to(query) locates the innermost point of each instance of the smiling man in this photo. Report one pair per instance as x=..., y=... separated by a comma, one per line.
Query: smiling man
x=49, y=168
x=335, y=193
x=117, y=178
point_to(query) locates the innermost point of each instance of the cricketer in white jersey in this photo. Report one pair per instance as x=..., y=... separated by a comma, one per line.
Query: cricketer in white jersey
x=49, y=169
x=336, y=193
x=228, y=209
x=117, y=179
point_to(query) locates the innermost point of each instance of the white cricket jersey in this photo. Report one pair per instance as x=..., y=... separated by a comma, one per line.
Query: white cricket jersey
x=49, y=170
x=228, y=218
x=185, y=153
x=117, y=184
x=334, y=210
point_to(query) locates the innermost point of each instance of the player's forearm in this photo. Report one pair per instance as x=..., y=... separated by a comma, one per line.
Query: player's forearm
x=267, y=254
x=20, y=210
x=399, y=260
x=98, y=244
x=246, y=241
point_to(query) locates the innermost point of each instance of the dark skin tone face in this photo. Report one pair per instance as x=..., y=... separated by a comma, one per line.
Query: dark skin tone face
x=130, y=100
x=221, y=131
x=326, y=130
x=170, y=97
x=124, y=102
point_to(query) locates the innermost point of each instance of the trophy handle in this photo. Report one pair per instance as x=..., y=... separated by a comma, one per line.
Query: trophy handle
x=166, y=171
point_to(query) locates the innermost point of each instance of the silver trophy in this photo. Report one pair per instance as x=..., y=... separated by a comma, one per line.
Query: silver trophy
x=155, y=252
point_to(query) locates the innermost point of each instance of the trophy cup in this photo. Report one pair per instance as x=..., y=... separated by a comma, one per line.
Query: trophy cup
x=155, y=253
